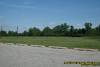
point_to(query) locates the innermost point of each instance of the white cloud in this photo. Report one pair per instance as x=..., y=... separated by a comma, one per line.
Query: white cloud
x=25, y=5
x=52, y=23
x=21, y=6
x=1, y=17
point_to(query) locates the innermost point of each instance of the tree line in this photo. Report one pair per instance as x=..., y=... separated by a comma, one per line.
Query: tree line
x=59, y=30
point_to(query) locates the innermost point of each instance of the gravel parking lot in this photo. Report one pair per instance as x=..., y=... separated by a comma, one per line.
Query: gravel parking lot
x=29, y=56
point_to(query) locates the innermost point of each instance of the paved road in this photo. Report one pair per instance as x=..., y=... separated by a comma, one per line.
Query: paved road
x=28, y=56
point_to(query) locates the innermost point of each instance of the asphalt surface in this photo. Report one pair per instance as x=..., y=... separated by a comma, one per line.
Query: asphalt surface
x=28, y=56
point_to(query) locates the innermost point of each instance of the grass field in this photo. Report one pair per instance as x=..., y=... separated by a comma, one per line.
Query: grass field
x=70, y=42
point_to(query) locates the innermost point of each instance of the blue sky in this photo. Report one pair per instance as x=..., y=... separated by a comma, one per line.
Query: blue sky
x=41, y=13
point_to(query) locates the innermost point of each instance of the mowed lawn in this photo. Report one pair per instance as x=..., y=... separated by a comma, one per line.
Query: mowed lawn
x=70, y=42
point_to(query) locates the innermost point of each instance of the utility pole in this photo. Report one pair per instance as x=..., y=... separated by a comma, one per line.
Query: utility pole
x=1, y=31
x=17, y=31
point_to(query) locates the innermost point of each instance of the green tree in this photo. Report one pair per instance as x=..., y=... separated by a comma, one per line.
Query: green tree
x=25, y=33
x=88, y=27
x=47, y=31
x=3, y=33
x=34, y=32
x=12, y=33
x=71, y=30
x=98, y=30
x=61, y=29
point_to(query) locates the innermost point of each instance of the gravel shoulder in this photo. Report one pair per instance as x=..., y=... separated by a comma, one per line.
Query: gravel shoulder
x=12, y=55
